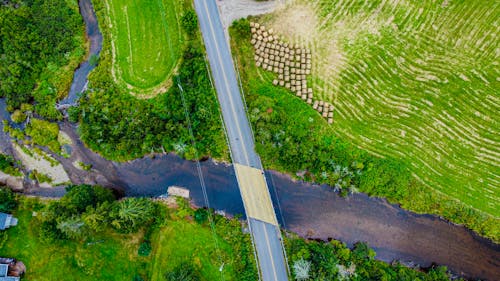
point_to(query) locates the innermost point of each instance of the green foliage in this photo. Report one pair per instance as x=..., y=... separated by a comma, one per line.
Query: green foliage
x=8, y=166
x=201, y=215
x=44, y=37
x=40, y=177
x=80, y=197
x=44, y=133
x=190, y=22
x=7, y=200
x=183, y=272
x=131, y=213
x=18, y=116
x=93, y=60
x=145, y=249
x=122, y=127
x=334, y=261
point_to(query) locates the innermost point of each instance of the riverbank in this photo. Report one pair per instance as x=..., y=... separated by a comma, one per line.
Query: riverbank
x=310, y=210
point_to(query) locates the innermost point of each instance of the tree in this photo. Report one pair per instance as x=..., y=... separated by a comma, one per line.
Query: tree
x=7, y=200
x=183, y=272
x=72, y=227
x=129, y=214
x=301, y=269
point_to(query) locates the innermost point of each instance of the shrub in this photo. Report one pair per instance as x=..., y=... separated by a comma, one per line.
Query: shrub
x=145, y=249
x=7, y=200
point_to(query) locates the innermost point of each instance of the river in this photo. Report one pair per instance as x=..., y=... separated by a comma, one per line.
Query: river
x=312, y=211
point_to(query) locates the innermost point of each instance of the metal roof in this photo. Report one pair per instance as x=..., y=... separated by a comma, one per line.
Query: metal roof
x=3, y=221
x=3, y=270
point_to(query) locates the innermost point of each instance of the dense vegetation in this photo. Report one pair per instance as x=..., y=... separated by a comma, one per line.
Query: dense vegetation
x=122, y=127
x=147, y=43
x=97, y=237
x=312, y=260
x=292, y=137
x=8, y=165
x=41, y=42
x=89, y=235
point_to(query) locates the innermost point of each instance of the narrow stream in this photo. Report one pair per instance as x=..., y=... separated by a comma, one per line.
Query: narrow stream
x=311, y=211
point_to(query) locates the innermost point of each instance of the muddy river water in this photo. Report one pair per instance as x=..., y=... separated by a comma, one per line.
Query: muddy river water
x=312, y=211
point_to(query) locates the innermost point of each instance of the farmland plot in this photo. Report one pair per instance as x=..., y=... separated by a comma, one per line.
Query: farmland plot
x=146, y=43
x=415, y=80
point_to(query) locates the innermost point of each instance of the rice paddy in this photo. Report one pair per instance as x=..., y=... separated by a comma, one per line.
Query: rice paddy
x=414, y=80
x=146, y=42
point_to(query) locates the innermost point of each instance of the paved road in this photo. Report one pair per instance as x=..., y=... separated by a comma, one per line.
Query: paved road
x=266, y=236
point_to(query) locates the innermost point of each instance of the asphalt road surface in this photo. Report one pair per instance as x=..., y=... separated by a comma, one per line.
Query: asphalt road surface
x=266, y=236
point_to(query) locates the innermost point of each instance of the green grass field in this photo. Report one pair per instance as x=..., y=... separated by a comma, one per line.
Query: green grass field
x=111, y=256
x=415, y=81
x=147, y=43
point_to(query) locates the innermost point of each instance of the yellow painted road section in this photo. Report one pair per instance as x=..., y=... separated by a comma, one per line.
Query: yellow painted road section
x=255, y=194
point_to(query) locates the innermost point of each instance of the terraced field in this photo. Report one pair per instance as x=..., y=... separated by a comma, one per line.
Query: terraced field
x=416, y=80
x=146, y=43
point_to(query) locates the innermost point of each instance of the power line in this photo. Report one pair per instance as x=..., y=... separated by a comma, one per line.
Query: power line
x=202, y=180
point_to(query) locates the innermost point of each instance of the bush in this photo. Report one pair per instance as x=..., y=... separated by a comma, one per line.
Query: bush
x=18, y=116
x=183, y=272
x=145, y=249
x=44, y=133
x=190, y=22
x=7, y=200
x=201, y=215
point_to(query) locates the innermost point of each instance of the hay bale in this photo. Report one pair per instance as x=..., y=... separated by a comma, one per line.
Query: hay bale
x=309, y=56
x=271, y=57
x=276, y=64
x=330, y=114
x=280, y=77
x=275, y=69
x=265, y=34
x=304, y=91
x=287, y=78
x=261, y=59
x=298, y=51
x=298, y=86
x=331, y=107
x=280, y=71
x=265, y=39
x=308, y=71
x=304, y=97
x=297, y=57
x=321, y=103
x=324, y=114
x=264, y=65
x=282, y=83
x=330, y=120
x=275, y=82
x=298, y=95
x=262, y=27
x=310, y=90
x=292, y=88
x=258, y=64
x=271, y=31
x=292, y=52
x=309, y=101
x=286, y=56
x=320, y=108
x=287, y=62
x=287, y=85
x=310, y=95
x=282, y=59
x=257, y=25
x=259, y=37
x=315, y=106
x=282, y=65
x=308, y=66
x=266, y=61
x=269, y=68
x=292, y=70
x=253, y=41
x=292, y=76
x=252, y=24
